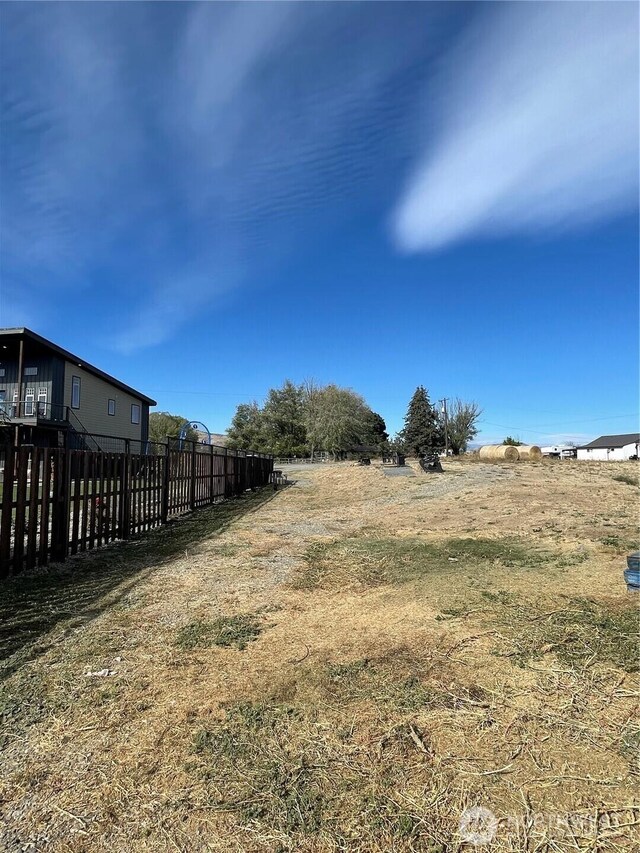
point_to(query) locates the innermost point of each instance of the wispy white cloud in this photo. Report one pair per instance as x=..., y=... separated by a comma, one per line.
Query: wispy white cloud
x=168, y=155
x=157, y=158
x=536, y=127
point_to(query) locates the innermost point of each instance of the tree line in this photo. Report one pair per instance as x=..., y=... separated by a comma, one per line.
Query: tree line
x=429, y=429
x=301, y=420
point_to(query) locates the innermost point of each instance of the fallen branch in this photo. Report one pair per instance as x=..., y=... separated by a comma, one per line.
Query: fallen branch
x=304, y=656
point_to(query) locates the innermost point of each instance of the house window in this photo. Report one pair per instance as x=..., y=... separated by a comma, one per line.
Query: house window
x=42, y=402
x=135, y=413
x=29, y=399
x=31, y=371
x=3, y=400
x=75, y=392
x=111, y=407
x=3, y=371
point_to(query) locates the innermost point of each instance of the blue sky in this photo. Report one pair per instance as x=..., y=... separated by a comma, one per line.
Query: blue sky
x=206, y=199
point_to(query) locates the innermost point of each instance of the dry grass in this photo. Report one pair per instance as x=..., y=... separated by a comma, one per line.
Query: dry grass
x=347, y=666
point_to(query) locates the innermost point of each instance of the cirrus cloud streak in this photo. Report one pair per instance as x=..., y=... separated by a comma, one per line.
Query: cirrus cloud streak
x=536, y=127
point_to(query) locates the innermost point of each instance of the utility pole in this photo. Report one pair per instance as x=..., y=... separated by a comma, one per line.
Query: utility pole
x=446, y=426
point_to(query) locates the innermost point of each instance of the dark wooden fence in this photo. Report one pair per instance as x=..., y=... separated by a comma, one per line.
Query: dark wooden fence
x=57, y=502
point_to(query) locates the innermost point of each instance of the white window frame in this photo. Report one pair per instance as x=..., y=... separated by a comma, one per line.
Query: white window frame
x=42, y=402
x=29, y=402
x=137, y=410
x=111, y=414
x=74, y=385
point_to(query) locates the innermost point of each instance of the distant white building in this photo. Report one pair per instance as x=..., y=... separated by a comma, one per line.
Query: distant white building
x=611, y=448
x=559, y=451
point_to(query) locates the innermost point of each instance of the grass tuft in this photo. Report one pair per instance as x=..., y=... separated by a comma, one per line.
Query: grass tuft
x=629, y=479
x=226, y=631
x=282, y=772
x=579, y=633
x=371, y=561
x=620, y=544
x=396, y=682
x=262, y=773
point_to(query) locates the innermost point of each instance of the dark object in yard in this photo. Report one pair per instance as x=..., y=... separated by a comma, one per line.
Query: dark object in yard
x=397, y=459
x=364, y=460
x=430, y=463
x=632, y=572
x=278, y=479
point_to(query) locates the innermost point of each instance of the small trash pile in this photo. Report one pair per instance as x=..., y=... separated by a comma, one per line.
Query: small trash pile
x=632, y=572
x=430, y=463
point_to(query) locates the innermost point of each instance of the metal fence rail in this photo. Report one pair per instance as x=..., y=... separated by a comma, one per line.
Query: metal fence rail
x=56, y=502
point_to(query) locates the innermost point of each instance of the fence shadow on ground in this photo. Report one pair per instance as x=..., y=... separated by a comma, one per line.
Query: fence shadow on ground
x=75, y=592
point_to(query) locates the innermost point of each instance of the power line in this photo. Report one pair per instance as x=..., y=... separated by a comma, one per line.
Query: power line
x=205, y=393
x=561, y=424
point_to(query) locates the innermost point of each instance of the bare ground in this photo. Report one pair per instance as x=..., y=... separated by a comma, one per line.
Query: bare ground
x=346, y=664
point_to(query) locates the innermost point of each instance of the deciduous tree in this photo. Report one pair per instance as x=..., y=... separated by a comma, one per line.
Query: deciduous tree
x=164, y=424
x=284, y=420
x=462, y=419
x=247, y=429
x=343, y=420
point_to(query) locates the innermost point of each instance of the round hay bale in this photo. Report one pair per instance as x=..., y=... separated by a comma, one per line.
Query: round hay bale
x=486, y=452
x=499, y=452
x=506, y=452
x=529, y=452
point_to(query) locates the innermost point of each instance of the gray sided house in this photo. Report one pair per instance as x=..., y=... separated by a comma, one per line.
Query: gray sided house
x=50, y=396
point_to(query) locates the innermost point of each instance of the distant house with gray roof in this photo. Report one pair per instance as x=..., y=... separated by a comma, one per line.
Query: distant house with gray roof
x=611, y=448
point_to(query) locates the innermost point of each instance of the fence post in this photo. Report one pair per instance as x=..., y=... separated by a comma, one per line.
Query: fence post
x=7, y=509
x=166, y=481
x=192, y=484
x=211, y=473
x=60, y=508
x=125, y=497
x=21, y=501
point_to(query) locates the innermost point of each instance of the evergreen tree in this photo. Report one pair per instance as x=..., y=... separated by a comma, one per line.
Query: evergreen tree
x=422, y=431
x=514, y=442
x=376, y=430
